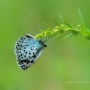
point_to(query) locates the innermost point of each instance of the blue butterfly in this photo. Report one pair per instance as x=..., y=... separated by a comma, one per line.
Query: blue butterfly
x=27, y=50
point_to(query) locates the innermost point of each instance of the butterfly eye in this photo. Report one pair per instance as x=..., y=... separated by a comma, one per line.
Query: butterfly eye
x=27, y=50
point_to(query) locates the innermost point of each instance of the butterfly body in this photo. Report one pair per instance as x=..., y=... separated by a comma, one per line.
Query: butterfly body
x=27, y=50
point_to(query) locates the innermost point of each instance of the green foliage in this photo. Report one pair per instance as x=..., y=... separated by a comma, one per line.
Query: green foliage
x=63, y=28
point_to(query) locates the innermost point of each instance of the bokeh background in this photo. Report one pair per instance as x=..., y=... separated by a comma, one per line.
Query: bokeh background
x=64, y=64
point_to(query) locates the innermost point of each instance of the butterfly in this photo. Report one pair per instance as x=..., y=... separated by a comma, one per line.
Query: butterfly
x=27, y=50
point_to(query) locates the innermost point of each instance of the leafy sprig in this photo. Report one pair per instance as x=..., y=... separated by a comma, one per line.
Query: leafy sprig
x=58, y=30
x=63, y=28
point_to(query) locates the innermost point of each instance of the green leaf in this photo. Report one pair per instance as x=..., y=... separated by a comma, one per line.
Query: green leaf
x=81, y=17
x=55, y=21
x=67, y=36
x=64, y=21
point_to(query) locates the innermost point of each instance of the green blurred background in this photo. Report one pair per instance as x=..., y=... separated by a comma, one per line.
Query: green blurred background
x=64, y=65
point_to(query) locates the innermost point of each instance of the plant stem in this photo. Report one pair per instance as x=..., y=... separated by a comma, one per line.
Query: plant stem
x=63, y=28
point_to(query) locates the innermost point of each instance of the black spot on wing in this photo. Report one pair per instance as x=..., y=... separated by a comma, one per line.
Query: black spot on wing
x=32, y=61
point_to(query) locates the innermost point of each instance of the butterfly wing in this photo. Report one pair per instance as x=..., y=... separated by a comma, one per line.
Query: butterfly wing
x=27, y=51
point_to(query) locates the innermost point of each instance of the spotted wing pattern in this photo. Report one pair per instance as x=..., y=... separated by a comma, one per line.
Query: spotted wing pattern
x=27, y=50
